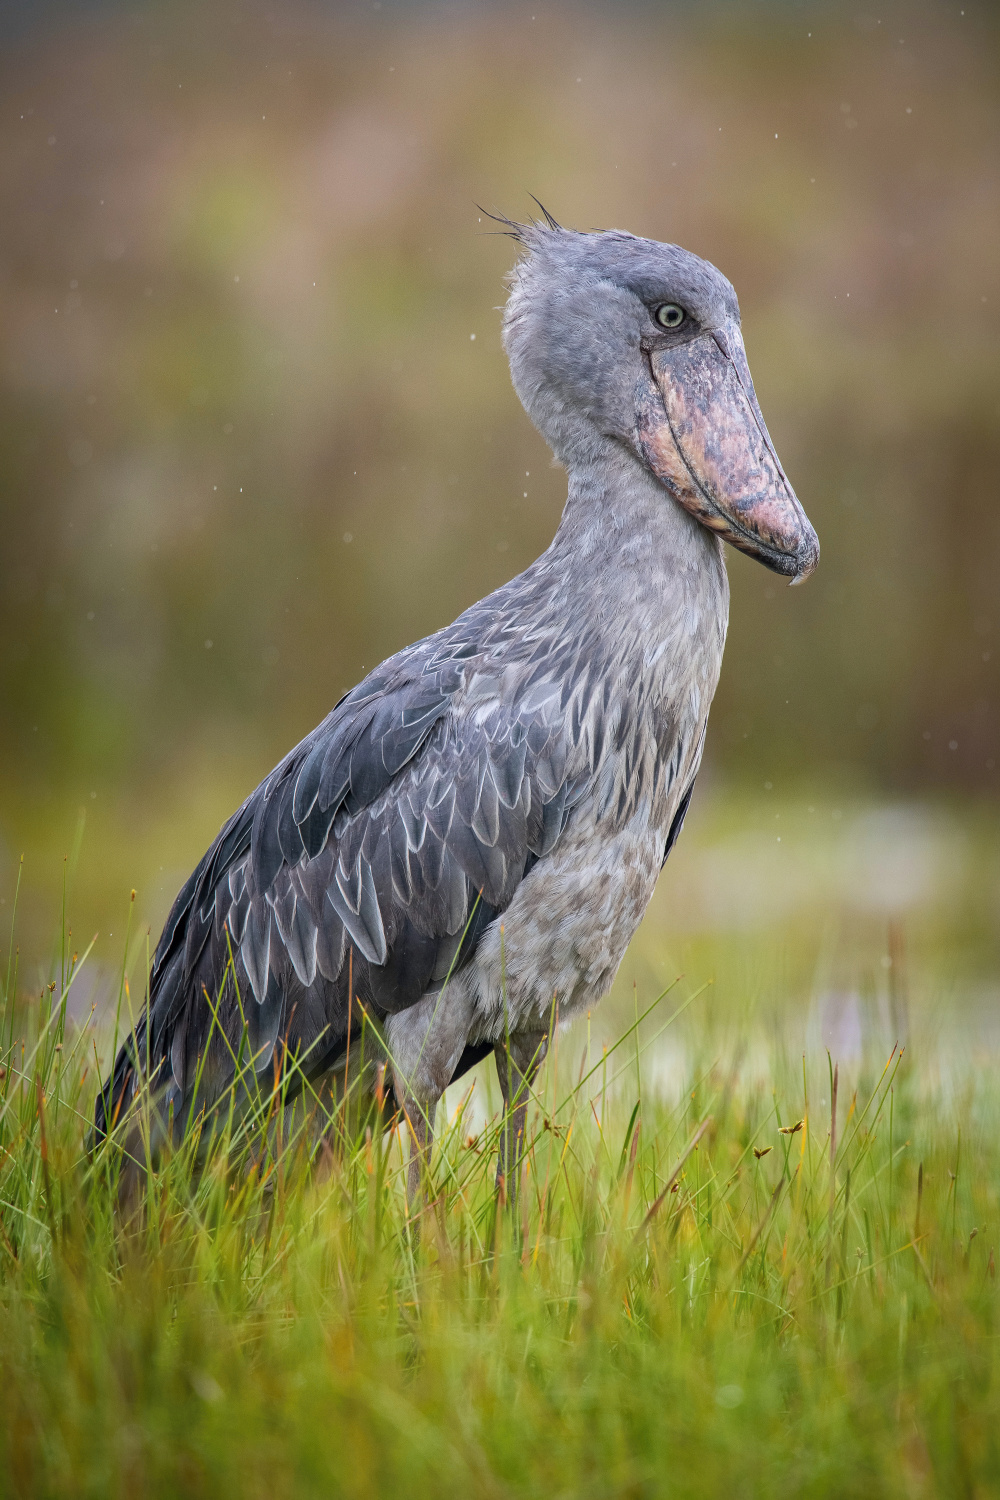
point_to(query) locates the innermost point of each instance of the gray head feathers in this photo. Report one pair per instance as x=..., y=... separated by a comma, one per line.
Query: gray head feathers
x=581, y=305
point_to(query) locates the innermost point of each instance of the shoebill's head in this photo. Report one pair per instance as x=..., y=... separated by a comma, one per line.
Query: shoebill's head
x=615, y=338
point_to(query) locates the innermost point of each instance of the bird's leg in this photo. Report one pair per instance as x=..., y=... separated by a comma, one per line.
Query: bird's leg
x=425, y=1042
x=518, y=1060
x=419, y=1116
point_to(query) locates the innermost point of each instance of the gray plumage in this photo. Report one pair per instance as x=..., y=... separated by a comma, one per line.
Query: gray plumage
x=500, y=797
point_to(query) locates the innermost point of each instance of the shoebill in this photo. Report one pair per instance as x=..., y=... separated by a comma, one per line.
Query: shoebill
x=467, y=842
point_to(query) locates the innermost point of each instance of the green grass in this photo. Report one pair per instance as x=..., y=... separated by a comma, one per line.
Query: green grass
x=689, y=1301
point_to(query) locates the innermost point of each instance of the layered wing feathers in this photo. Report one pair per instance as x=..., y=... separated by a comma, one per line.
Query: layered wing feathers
x=420, y=801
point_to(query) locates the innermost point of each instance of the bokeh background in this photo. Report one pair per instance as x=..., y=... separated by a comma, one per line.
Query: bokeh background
x=257, y=431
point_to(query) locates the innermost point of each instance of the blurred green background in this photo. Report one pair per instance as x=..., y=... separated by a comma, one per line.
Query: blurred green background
x=257, y=431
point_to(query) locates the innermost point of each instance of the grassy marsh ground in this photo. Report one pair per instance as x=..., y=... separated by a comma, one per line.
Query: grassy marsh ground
x=694, y=1295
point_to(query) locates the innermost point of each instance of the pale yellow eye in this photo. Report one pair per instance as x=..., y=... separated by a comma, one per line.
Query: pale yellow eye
x=670, y=315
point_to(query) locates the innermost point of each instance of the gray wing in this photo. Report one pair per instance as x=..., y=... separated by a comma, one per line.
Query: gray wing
x=379, y=848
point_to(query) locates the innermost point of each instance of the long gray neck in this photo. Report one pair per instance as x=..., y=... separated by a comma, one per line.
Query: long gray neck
x=634, y=587
x=627, y=543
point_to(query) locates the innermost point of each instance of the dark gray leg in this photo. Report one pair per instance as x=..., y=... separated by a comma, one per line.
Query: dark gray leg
x=419, y=1116
x=516, y=1068
x=425, y=1042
